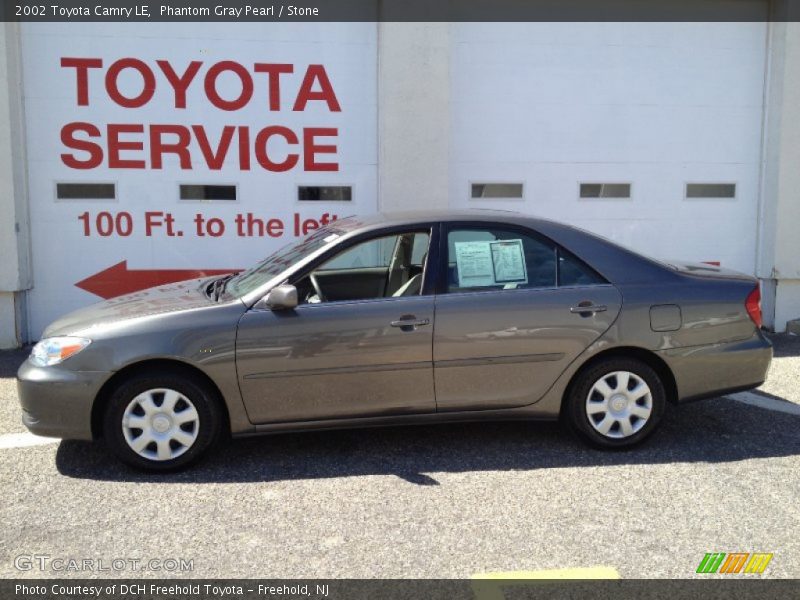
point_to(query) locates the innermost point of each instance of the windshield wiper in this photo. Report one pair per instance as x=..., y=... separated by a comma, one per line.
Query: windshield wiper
x=217, y=286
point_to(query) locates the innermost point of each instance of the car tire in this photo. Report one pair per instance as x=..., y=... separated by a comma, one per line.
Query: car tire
x=615, y=403
x=162, y=421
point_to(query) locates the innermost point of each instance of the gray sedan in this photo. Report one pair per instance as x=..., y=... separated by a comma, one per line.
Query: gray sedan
x=405, y=318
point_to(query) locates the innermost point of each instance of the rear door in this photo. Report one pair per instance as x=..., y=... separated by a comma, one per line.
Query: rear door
x=513, y=310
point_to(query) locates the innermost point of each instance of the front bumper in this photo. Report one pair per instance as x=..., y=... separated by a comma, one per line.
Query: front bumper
x=706, y=371
x=57, y=402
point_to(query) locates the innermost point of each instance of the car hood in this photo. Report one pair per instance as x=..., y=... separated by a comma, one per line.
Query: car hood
x=184, y=295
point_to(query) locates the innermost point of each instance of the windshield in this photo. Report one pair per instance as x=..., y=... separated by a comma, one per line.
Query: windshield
x=251, y=279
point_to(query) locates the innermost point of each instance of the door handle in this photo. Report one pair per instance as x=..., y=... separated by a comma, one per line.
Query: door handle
x=409, y=322
x=587, y=308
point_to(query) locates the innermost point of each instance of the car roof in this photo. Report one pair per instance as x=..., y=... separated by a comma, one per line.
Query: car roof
x=382, y=220
x=424, y=216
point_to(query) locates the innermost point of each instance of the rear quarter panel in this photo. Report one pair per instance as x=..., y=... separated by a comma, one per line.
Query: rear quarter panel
x=712, y=311
x=716, y=348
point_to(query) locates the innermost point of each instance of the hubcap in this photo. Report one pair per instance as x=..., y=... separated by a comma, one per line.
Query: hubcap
x=160, y=424
x=619, y=404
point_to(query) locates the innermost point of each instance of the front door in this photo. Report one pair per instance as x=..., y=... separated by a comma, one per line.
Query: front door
x=509, y=319
x=358, y=345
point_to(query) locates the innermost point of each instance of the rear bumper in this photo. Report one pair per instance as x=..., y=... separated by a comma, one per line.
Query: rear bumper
x=713, y=370
x=57, y=402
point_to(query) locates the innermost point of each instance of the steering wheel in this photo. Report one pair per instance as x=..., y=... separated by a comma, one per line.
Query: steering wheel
x=313, y=279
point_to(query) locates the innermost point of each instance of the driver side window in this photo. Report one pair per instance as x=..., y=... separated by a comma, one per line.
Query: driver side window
x=372, y=254
x=383, y=267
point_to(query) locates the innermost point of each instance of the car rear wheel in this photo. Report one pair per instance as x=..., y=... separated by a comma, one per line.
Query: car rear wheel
x=615, y=403
x=161, y=422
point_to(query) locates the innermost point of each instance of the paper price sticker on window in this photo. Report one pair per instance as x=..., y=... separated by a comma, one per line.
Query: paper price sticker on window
x=484, y=264
x=508, y=260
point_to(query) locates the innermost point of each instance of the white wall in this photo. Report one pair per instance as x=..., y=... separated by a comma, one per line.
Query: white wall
x=14, y=243
x=655, y=105
x=779, y=248
x=413, y=104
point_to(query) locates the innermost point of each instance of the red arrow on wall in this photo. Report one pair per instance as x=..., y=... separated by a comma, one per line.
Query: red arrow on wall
x=118, y=279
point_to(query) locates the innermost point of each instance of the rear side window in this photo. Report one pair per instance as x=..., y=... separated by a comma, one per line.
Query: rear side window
x=574, y=272
x=505, y=259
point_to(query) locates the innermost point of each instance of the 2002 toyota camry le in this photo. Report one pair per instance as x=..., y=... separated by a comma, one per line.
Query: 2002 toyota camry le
x=406, y=318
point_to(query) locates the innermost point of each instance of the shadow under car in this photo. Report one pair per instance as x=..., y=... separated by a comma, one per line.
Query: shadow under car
x=714, y=431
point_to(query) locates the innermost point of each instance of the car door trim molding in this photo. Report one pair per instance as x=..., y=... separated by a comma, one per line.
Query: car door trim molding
x=341, y=370
x=497, y=360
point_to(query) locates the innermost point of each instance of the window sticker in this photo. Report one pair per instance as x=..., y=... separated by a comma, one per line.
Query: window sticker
x=474, y=264
x=484, y=263
x=508, y=260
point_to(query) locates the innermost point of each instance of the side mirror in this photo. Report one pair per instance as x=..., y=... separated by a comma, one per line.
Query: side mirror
x=282, y=297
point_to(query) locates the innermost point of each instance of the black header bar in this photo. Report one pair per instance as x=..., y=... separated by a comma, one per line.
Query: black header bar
x=143, y=11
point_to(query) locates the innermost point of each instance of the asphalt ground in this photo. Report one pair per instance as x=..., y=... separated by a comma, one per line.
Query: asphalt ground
x=448, y=501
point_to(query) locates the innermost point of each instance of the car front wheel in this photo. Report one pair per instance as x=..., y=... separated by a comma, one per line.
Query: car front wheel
x=615, y=403
x=161, y=421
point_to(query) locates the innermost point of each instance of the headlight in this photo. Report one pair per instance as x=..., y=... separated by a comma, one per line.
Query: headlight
x=51, y=351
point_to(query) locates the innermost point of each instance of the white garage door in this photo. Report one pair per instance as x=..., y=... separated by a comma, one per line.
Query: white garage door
x=161, y=152
x=669, y=111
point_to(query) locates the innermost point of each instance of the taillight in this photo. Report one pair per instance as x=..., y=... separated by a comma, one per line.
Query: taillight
x=753, y=305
